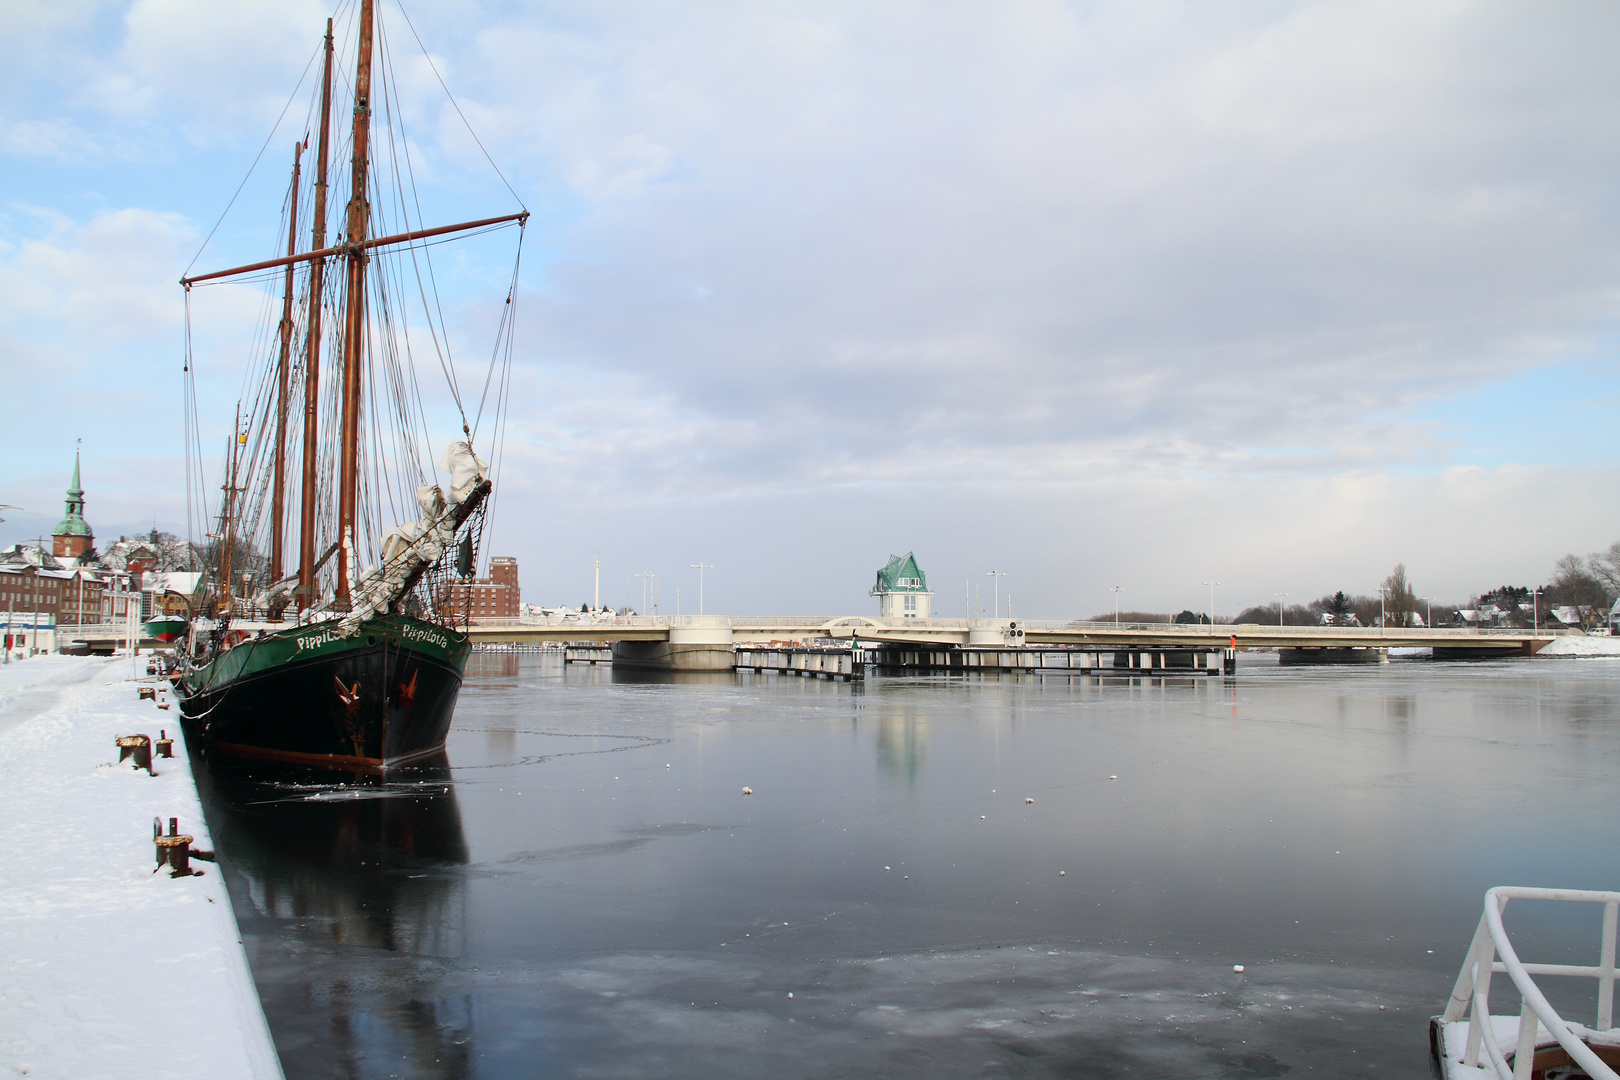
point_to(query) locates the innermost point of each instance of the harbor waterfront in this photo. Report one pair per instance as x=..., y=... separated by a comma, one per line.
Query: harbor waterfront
x=113, y=966
x=1031, y=874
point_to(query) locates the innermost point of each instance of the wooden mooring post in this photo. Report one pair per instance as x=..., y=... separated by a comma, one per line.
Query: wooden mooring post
x=846, y=664
x=1101, y=662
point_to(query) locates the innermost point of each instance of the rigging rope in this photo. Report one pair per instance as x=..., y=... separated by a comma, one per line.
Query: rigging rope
x=457, y=105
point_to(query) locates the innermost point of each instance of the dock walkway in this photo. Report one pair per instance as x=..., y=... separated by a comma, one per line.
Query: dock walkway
x=109, y=968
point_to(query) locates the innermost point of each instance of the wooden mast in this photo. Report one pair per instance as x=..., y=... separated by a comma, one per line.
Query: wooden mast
x=277, y=493
x=312, y=360
x=355, y=308
x=228, y=512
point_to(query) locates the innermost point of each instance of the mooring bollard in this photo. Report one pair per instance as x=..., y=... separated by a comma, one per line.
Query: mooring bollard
x=138, y=747
x=175, y=850
x=148, y=693
x=165, y=745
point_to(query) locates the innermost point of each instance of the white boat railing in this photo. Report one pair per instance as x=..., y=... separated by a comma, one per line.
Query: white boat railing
x=1471, y=995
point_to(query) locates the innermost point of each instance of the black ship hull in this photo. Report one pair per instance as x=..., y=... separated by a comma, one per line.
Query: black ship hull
x=381, y=698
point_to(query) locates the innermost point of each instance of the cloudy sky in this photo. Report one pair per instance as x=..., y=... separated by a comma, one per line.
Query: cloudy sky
x=1138, y=294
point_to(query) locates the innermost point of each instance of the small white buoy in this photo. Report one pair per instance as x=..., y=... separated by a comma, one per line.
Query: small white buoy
x=885, y=868
x=1238, y=968
x=981, y=818
x=1029, y=800
x=790, y=993
x=1113, y=778
x=748, y=791
x=1063, y=873
x=666, y=766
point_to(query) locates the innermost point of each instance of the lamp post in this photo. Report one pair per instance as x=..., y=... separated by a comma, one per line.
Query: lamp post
x=1383, y=609
x=1212, y=585
x=1282, y=603
x=1535, y=615
x=1116, y=590
x=996, y=576
x=1429, y=623
x=700, y=567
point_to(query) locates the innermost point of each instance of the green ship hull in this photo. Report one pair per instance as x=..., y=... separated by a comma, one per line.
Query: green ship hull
x=305, y=695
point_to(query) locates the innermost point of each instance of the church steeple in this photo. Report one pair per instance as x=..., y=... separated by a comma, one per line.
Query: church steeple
x=72, y=537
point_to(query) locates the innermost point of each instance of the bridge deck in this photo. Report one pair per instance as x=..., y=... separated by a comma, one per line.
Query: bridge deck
x=756, y=629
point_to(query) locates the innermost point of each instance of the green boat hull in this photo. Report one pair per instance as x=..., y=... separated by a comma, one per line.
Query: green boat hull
x=305, y=695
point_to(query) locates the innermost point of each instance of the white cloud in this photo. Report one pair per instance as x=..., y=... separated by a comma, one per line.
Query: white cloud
x=1153, y=264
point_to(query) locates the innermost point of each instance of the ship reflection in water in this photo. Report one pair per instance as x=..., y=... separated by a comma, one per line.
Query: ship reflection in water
x=325, y=870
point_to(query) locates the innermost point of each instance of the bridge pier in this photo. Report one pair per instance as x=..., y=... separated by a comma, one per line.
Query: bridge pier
x=1330, y=655
x=699, y=644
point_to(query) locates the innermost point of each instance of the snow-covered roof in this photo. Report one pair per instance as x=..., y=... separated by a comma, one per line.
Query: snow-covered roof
x=183, y=583
x=30, y=555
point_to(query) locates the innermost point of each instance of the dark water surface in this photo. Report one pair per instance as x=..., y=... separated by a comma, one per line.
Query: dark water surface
x=582, y=889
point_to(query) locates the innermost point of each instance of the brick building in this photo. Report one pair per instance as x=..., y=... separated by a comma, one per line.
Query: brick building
x=494, y=597
x=68, y=597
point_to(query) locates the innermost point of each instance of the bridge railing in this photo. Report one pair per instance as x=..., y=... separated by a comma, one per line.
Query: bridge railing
x=857, y=623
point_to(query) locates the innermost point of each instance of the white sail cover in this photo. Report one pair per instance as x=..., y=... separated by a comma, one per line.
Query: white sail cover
x=465, y=471
x=408, y=548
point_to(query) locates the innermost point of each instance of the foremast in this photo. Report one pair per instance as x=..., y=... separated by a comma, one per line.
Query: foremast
x=312, y=358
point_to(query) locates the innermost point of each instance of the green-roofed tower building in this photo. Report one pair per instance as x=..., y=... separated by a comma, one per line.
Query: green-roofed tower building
x=902, y=589
x=72, y=537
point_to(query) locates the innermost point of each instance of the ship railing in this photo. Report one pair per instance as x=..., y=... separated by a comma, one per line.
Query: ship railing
x=1492, y=952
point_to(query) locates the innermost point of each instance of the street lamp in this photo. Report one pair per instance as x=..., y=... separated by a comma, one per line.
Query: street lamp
x=700, y=567
x=1535, y=616
x=1282, y=599
x=1116, y=590
x=996, y=575
x=1212, y=585
x=1430, y=600
x=1383, y=610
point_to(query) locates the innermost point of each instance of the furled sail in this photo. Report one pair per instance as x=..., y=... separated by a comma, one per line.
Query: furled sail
x=408, y=550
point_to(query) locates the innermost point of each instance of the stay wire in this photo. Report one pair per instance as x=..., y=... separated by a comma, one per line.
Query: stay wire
x=256, y=158
x=457, y=105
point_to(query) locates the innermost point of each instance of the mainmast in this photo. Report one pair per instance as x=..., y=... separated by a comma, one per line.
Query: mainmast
x=277, y=514
x=312, y=359
x=355, y=308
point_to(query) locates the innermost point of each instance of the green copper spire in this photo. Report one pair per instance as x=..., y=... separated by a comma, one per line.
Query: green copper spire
x=73, y=523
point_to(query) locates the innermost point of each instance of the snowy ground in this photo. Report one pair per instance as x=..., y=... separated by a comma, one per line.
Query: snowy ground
x=109, y=969
x=1582, y=646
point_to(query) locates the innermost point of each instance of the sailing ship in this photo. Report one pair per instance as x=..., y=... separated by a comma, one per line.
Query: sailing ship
x=328, y=665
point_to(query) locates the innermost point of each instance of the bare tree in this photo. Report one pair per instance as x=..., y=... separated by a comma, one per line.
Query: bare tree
x=1605, y=567
x=1400, y=602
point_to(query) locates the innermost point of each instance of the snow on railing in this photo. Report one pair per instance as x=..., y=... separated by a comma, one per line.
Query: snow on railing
x=1471, y=995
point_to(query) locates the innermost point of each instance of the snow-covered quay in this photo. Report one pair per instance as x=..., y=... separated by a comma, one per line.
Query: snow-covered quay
x=111, y=970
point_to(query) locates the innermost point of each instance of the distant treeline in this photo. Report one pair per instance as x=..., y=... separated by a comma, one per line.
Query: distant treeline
x=1589, y=586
